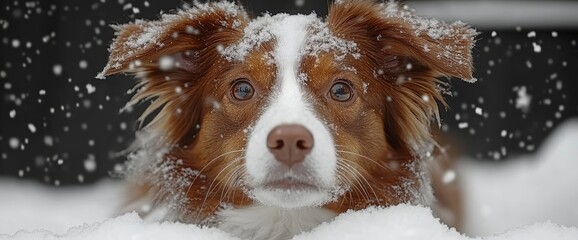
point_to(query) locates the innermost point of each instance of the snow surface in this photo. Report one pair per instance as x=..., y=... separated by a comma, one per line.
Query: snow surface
x=29, y=205
x=398, y=222
x=526, y=189
x=524, y=198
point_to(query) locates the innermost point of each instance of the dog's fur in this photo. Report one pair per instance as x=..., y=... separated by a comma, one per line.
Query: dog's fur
x=203, y=153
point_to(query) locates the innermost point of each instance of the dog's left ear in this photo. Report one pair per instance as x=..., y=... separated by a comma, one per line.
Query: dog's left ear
x=405, y=54
x=395, y=32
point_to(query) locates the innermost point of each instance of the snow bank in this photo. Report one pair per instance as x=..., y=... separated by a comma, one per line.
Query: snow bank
x=398, y=222
x=129, y=226
x=538, y=192
x=30, y=205
x=406, y=222
x=525, y=189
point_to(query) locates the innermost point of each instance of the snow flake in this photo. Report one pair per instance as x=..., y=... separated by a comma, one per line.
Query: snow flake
x=449, y=176
x=178, y=90
x=80, y=178
x=365, y=87
x=554, y=34
x=90, y=163
x=537, y=48
x=559, y=85
x=48, y=141
x=14, y=142
x=90, y=89
x=425, y=98
x=32, y=128
x=83, y=64
x=15, y=43
x=166, y=63
x=299, y=3
x=57, y=69
x=523, y=100
x=478, y=111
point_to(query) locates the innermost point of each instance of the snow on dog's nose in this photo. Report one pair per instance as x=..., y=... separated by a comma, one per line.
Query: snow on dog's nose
x=290, y=143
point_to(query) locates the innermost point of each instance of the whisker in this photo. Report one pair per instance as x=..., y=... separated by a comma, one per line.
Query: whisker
x=385, y=167
x=206, y=165
x=362, y=177
x=213, y=182
x=356, y=187
x=240, y=172
x=225, y=191
x=344, y=181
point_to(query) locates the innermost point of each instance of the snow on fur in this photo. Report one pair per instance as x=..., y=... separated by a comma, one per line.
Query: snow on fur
x=151, y=32
x=319, y=39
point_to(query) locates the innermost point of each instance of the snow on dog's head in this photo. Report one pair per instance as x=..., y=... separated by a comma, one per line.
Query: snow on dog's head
x=290, y=111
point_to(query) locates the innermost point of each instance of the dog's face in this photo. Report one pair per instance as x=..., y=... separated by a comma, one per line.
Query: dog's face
x=294, y=111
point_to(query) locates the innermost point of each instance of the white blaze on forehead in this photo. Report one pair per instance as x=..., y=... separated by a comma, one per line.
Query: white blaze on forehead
x=290, y=34
x=288, y=104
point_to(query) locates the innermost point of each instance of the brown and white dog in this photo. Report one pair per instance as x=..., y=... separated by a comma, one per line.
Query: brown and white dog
x=266, y=127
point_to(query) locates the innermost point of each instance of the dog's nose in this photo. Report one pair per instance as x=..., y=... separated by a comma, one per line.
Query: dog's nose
x=290, y=143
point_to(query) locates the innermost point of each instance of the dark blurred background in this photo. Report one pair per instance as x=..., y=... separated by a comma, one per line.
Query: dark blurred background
x=61, y=126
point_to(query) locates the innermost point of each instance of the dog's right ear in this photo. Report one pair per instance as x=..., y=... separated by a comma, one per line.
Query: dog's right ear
x=193, y=29
x=172, y=57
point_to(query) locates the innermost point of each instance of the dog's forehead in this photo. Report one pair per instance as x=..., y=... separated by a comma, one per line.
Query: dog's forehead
x=294, y=37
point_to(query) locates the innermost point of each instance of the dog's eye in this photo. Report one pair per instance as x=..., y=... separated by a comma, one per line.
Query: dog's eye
x=341, y=92
x=242, y=90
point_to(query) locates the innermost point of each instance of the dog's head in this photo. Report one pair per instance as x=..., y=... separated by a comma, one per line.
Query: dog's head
x=294, y=111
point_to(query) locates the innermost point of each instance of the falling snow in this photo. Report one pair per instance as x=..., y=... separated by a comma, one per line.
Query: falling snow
x=537, y=48
x=57, y=69
x=32, y=128
x=524, y=99
x=14, y=143
x=83, y=64
x=61, y=112
x=90, y=163
x=449, y=176
x=90, y=88
x=166, y=63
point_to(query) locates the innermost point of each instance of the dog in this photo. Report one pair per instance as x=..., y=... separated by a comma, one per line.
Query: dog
x=266, y=127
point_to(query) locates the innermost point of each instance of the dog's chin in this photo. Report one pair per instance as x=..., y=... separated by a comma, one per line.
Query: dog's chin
x=290, y=194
